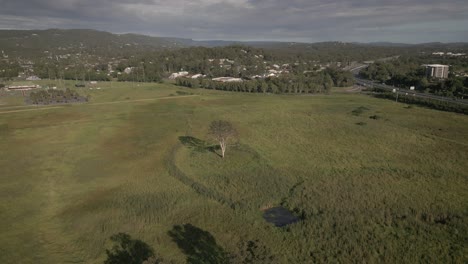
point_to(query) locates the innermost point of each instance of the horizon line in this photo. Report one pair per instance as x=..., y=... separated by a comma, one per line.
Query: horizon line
x=239, y=41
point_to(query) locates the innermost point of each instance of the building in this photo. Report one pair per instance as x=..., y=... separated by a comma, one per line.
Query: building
x=33, y=78
x=196, y=76
x=227, y=79
x=437, y=70
x=178, y=74
x=128, y=70
x=22, y=87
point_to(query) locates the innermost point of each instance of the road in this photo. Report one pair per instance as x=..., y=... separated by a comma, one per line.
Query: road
x=402, y=91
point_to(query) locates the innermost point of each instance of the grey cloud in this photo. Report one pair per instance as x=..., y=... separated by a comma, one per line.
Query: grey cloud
x=293, y=20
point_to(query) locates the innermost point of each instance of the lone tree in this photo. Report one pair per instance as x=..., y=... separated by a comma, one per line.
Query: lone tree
x=223, y=132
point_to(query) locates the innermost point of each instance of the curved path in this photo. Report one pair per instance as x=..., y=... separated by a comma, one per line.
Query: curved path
x=199, y=188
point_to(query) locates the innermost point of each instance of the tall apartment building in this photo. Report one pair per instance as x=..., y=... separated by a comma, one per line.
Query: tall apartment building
x=437, y=70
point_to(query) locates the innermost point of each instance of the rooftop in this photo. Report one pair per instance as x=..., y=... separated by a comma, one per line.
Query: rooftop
x=435, y=65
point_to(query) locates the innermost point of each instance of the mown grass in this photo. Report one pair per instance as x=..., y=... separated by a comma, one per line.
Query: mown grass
x=393, y=190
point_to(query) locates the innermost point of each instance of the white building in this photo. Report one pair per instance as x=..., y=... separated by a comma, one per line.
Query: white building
x=227, y=79
x=437, y=70
x=178, y=74
x=22, y=87
x=196, y=76
x=33, y=78
x=128, y=70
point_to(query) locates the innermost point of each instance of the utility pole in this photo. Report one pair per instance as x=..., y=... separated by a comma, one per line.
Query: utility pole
x=144, y=76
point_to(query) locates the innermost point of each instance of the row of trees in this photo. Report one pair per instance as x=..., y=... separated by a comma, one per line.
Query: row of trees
x=60, y=71
x=268, y=85
x=314, y=83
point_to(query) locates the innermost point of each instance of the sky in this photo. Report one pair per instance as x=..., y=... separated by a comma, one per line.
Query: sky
x=399, y=21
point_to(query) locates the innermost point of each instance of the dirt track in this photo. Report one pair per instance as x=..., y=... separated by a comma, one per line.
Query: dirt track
x=38, y=108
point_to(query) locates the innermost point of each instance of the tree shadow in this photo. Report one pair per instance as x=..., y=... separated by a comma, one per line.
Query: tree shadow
x=199, y=145
x=127, y=250
x=199, y=245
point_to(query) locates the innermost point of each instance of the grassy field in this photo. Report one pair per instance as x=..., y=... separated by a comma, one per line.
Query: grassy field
x=387, y=189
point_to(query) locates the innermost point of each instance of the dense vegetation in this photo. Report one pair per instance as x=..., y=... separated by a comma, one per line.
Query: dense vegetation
x=78, y=72
x=408, y=71
x=51, y=96
x=317, y=82
x=9, y=70
x=232, y=61
x=369, y=179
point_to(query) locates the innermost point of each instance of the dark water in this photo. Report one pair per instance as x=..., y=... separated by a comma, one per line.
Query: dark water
x=279, y=216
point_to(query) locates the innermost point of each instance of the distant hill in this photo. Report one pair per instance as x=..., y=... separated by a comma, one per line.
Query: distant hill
x=455, y=45
x=28, y=43
x=37, y=43
x=385, y=44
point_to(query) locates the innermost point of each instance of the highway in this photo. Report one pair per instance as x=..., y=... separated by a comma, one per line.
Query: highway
x=402, y=91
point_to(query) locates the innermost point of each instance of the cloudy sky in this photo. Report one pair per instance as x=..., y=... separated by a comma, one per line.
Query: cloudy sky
x=409, y=21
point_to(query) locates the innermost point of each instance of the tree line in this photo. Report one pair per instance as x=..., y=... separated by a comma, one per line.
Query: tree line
x=317, y=82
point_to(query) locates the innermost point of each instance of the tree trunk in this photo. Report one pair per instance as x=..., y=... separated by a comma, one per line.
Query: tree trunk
x=222, y=144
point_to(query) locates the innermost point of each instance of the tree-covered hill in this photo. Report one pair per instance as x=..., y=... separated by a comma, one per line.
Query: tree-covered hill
x=39, y=43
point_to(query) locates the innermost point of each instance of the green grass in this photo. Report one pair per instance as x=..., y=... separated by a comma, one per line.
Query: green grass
x=393, y=190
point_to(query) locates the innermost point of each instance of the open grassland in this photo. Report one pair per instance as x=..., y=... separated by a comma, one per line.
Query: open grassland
x=392, y=188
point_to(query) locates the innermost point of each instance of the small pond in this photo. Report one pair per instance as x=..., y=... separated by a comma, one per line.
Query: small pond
x=279, y=216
